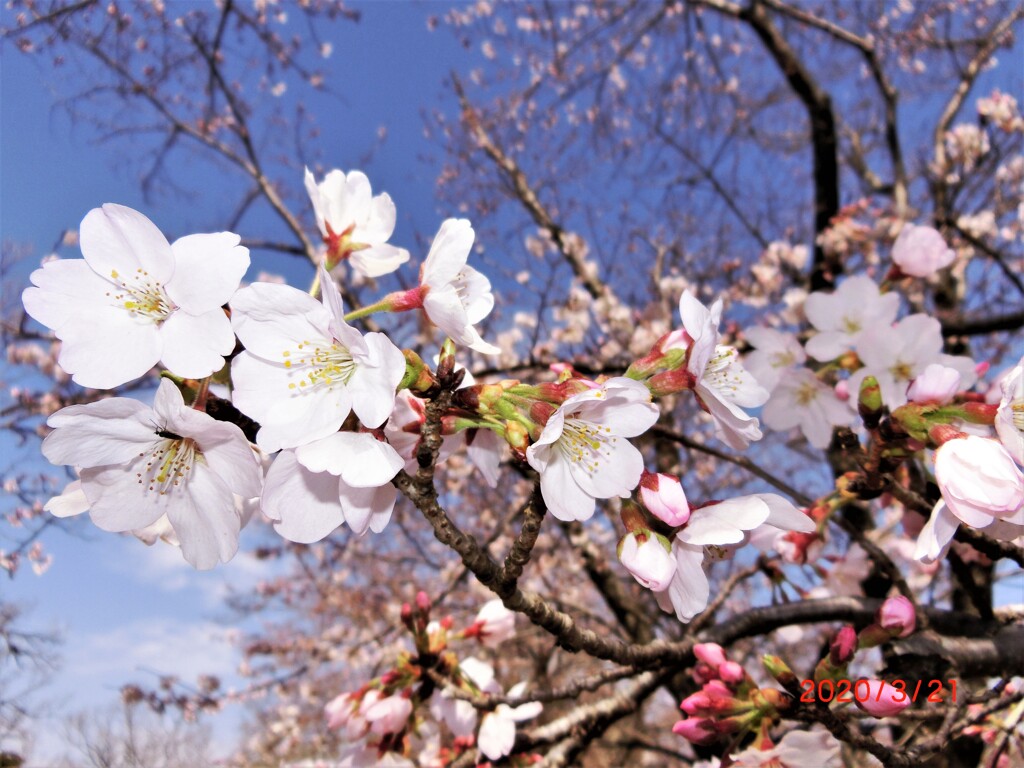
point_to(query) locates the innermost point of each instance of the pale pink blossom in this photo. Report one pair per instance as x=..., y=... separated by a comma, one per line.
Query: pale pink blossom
x=495, y=623
x=842, y=316
x=498, y=728
x=342, y=478
x=921, y=251
x=797, y=749
x=774, y=354
x=387, y=715
x=979, y=481
x=937, y=384
x=802, y=400
x=583, y=453
x=722, y=385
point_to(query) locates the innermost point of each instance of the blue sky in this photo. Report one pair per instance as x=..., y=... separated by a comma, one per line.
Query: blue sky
x=125, y=611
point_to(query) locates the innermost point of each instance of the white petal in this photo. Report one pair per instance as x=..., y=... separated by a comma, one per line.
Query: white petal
x=70, y=502
x=305, y=504
x=367, y=508
x=118, y=501
x=207, y=271
x=373, y=384
x=194, y=346
x=207, y=528
x=689, y=590
x=379, y=224
x=359, y=458
x=933, y=541
x=116, y=239
x=784, y=515
x=108, y=349
x=228, y=453
x=68, y=291
x=485, y=451
x=497, y=736
x=272, y=319
x=566, y=500
x=378, y=260
x=111, y=431
x=448, y=253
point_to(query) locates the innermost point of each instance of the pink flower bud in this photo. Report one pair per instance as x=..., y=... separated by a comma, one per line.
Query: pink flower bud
x=663, y=495
x=921, y=251
x=936, y=384
x=897, y=615
x=731, y=672
x=711, y=654
x=651, y=563
x=698, y=730
x=883, y=700
x=843, y=646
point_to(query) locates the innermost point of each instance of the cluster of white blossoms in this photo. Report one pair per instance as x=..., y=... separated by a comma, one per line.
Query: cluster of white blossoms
x=339, y=413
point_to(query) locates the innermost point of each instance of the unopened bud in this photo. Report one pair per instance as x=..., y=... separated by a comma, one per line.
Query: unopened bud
x=869, y=402
x=779, y=669
x=897, y=616
x=663, y=495
x=843, y=646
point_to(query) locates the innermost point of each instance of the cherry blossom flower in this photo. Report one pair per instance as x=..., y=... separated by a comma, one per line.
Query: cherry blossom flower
x=494, y=623
x=651, y=563
x=304, y=369
x=722, y=385
x=139, y=464
x=387, y=715
x=582, y=455
x=937, y=384
x=355, y=224
x=714, y=527
x=454, y=295
x=497, y=732
x=1010, y=414
x=135, y=300
x=921, y=251
x=979, y=481
x=897, y=355
x=774, y=353
x=843, y=315
x=342, y=478
x=802, y=400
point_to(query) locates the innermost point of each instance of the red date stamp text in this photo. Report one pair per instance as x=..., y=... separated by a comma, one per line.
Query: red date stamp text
x=846, y=691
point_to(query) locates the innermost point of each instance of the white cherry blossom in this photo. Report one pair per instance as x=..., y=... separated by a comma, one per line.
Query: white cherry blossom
x=722, y=385
x=455, y=296
x=843, y=315
x=650, y=563
x=582, y=453
x=896, y=355
x=355, y=224
x=304, y=369
x=714, y=528
x=802, y=400
x=136, y=300
x=775, y=352
x=342, y=478
x=979, y=481
x=139, y=464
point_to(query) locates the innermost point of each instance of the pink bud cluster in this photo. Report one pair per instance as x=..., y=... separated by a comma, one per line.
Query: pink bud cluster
x=728, y=701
